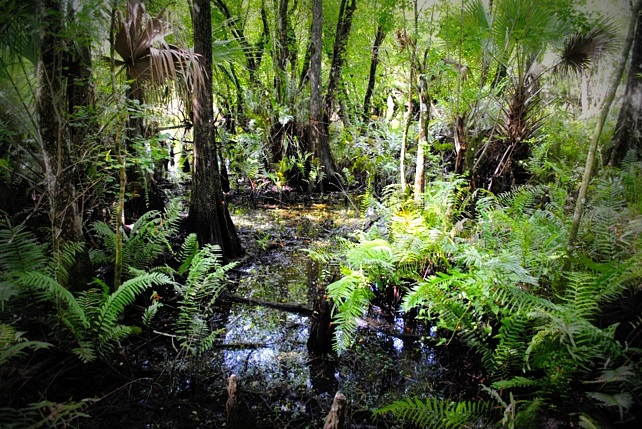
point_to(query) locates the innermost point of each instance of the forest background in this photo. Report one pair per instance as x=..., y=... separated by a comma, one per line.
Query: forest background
x=495, y=146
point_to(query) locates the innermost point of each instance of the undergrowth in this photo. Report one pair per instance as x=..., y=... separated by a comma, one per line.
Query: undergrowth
x=489, y=270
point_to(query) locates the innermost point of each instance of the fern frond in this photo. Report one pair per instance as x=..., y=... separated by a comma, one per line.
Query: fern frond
x=206, y=279
x=517, y=381
x=106, y=325
x=350, y=296
x=21, y=250
x=189, y=249
x=436, y=413
x=46, y=288
x=14, y=345
x=150, y=312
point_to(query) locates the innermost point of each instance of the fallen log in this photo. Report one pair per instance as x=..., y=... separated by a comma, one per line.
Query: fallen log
x=284, y=306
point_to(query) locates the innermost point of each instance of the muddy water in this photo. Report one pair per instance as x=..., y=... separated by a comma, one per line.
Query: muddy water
x=266, y=347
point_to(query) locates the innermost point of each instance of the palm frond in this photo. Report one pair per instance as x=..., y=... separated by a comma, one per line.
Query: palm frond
x=582, y=49
x=140, y=41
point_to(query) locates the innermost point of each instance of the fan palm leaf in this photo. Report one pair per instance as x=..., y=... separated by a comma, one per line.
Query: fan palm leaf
x=140, y=42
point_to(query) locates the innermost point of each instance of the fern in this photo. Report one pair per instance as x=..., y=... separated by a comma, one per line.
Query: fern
x=21, y=253
x=436, y=413
x=151, y=311
x=14, y=345
x=106, y=327
x=205, y=280
x=146, y=240
x=350, y=296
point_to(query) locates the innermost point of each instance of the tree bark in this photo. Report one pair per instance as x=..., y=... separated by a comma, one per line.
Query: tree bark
x=208, y=216
x=374, y=62
x=344, y=25
x=422, y=140
x=336, y=418
x=316, y=102
x=279, y=131
x=52, y=108
x=628, y=131
x=590, y=158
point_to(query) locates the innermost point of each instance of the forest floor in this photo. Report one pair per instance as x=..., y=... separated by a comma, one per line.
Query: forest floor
x=150, y=385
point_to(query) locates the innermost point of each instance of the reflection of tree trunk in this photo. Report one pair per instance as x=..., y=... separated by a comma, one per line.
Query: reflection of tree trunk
x=61, y=169
x=208, y=213
x=321, y=326
x=374, y=62
x=321, y=333
x=628, y=131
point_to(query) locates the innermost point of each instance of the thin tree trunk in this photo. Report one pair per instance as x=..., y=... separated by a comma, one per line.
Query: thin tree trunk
x=374, y=62
x=406, y=129
x=252, y=54
x=422, y=141
x=57, y=150
x=344, y=25
x=279, y=131
x=628, y=131
x=316, y=106
x=590, y=158
x=208, y=216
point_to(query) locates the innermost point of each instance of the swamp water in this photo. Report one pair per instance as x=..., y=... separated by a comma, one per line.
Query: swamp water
x=281, y=385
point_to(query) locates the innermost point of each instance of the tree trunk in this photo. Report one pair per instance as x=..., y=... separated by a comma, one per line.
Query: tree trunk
x=56, y=138
x=279, y=131
x=628, y=131
x=374, y=62
x=344, y=25
x=590, y=158
x=422, y=141
x=316, y=101
x=252, y=54
x=208, y=216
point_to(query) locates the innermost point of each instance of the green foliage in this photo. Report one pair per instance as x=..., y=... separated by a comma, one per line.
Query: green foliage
x=437, y=413
x=145, y=242
x=351, y=297
x=204, y=280
x=496, y=282
x=14, y=345
x=45, y=414
x=91, y=318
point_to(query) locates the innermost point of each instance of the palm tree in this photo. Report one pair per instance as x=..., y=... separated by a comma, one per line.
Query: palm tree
x=152, y=65
x=513, y=38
